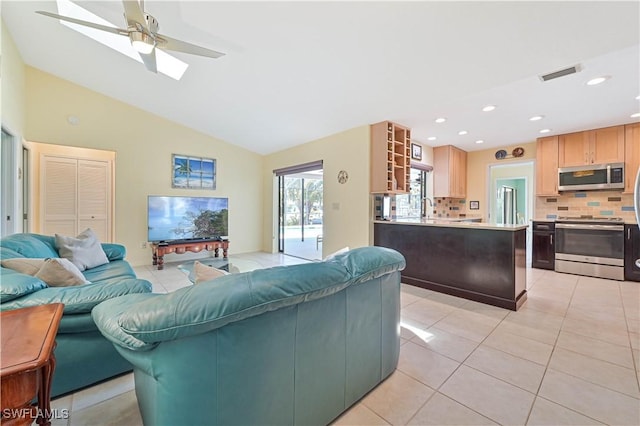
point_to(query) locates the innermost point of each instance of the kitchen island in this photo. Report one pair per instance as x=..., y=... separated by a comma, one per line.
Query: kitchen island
x=477, y=261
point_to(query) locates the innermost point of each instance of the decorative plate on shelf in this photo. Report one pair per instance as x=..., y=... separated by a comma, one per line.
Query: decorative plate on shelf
x=518, y=152
x=501, y=154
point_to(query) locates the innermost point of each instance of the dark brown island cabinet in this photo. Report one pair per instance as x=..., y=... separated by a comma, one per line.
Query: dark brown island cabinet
x=476, y=261
x=543, y=246
x=631, y=252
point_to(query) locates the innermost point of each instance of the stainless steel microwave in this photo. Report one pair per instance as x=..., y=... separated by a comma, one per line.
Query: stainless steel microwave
x=593, y=176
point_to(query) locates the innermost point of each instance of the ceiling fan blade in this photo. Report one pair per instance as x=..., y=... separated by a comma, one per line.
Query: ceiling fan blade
x=149, y=60
x=168, y=43
x=133, y=13
x=118, y=31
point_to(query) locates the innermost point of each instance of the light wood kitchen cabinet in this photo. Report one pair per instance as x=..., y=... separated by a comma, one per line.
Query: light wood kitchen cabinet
x=449, y=172
x=631, y=156
x=597, y=146
x=390, y=158
x=547, y=166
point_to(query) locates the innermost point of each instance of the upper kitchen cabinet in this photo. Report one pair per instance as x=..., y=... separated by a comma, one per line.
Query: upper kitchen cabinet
x=631, y=155
x=547, y=166
x=390, y=158
x=449, y=172
x=597, y=146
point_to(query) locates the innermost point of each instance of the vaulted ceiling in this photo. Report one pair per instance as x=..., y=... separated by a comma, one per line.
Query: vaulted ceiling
x=298, y=71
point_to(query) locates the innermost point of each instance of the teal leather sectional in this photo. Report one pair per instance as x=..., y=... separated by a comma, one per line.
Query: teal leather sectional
x=285, y=345
x=83, y=355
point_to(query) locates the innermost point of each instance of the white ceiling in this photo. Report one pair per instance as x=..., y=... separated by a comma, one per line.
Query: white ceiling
x=299, y=71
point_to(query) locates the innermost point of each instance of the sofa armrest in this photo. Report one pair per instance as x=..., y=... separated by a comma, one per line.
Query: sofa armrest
x=81, y=298
x=114, y=251
x=107, y=317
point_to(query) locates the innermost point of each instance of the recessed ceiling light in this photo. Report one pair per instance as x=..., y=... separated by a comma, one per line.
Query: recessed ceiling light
x=441, y=120
x=489, y=108
x=462, y=132
x=597, y=80
x=479, y=141
x=638, y=98
x=636, y=115
x=536, y=118
x=431, y=138
x=73, y=120
x=545, y=130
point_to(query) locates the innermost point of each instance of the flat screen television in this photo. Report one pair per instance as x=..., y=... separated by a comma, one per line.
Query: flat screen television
x=179, y=218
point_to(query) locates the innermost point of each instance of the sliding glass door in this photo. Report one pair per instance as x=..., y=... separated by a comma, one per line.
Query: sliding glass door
x=301, y=212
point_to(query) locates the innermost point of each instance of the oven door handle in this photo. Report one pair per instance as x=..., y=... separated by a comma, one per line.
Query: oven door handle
x=590, y=227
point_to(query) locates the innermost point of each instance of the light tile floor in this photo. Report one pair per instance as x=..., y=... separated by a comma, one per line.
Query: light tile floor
x=569, y=356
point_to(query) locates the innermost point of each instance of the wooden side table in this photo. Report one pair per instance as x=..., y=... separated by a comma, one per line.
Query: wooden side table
x=160, y=249
x=27, y=363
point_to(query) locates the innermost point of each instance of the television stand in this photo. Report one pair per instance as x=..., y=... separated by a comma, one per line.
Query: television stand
x=180, y=247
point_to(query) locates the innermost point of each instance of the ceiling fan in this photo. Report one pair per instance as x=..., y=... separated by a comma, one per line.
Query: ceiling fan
x=142, y=30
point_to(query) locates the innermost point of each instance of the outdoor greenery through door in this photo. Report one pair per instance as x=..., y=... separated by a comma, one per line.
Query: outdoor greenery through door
x=301, y=214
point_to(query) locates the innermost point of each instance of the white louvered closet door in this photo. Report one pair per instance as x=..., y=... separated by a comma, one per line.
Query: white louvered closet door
x=93, y=197
x=76, y=194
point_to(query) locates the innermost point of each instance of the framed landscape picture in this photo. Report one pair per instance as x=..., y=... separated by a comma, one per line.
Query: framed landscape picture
x=193, y=172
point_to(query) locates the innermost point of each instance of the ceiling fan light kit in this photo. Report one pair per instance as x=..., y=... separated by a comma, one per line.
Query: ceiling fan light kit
x=142, y=30
x=142, y=42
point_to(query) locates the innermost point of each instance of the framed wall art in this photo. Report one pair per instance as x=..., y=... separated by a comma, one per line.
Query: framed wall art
x=193, y=172
x=416, y=151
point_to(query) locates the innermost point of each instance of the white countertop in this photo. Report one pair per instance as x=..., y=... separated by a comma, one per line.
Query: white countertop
x=448, y=223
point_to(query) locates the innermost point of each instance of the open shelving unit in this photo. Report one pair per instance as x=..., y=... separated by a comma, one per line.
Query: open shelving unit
x=390, y=158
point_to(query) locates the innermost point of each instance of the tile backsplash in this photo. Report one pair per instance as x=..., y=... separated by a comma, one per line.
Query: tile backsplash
x=449, y=207
x=581, y=203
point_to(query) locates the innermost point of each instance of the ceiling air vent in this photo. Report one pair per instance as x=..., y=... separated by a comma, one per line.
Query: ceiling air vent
x=561, y=73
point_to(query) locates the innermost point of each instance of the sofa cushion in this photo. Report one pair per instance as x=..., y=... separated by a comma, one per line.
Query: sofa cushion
x=82, y=298
x=84, y=251
x=30, y=245
x=110, y=272
x=57, y=272
x=15, y=285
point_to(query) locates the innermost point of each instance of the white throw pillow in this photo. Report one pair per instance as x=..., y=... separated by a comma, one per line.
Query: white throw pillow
x=335, y=253
x=59, y=272
x=24, y=265
x=204, y=272
x=84, y=251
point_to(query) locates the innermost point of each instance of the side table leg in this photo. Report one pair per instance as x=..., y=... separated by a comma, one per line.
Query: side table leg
x=160, y=261
x=224, y=252
x=155, y=258
x=216, y=254
x=44, y=393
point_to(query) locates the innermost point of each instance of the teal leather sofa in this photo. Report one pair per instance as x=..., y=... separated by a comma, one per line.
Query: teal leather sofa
x=83, y=355
x=285, y=345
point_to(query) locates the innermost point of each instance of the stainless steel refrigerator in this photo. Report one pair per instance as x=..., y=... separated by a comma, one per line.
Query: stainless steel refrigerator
x=507, y=196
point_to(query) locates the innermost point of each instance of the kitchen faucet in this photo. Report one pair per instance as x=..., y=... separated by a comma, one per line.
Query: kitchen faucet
x=427, y=214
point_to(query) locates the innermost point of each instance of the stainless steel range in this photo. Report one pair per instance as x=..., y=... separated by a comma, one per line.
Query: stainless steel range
x=592, y=246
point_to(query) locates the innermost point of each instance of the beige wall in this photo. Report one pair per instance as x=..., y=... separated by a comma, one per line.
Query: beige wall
x=13, y=86
x=478, y=163
x=143, y=144
x=346, y=217
x=12, y=109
